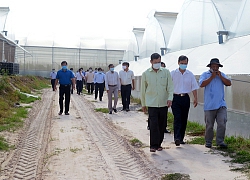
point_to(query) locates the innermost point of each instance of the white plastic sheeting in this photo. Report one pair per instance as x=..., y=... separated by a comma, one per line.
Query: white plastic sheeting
x=3, y=16
x=233, y=55
x=196, y=25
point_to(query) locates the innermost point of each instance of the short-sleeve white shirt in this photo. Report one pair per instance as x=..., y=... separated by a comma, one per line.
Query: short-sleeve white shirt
x=184, y=83
x=126, y=77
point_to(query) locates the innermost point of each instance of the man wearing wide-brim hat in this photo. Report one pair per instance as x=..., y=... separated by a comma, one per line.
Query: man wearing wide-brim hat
x=214, y=103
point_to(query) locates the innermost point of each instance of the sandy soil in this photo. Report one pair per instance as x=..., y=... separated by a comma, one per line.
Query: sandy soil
x=92, y=145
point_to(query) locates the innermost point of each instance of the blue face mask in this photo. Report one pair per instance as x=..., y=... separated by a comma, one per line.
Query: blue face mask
x=112, y=69
x=183, y=66
x=64, y=67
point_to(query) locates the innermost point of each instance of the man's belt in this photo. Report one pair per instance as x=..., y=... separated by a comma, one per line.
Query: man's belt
x=65, y=85
x=112, y=85
x=126, y=85
x=182, y=94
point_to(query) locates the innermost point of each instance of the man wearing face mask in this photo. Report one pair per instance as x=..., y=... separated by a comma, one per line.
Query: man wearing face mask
x=112, y=84
x=157, y=95
x=214, y=102
x=53, y=79
x=65, y=78
x=99, y=83
x=127, y=79
x=90, y=80
x=184, y=83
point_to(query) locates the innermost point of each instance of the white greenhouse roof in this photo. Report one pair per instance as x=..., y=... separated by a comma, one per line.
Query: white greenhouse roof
x=233, y=55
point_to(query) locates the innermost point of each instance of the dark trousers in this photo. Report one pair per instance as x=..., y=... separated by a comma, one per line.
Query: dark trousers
x=64, y=90
x=90, y=87
x=99, y=87
x=79, y=86
x=126, y=93
x=180, y=109
x=53, y=83
x=158, y=120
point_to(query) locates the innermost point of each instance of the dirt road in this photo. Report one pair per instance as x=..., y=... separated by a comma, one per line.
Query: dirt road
x=90, y=145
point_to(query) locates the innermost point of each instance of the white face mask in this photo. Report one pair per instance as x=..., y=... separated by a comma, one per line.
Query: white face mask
x=124, y=67
x=157, y=66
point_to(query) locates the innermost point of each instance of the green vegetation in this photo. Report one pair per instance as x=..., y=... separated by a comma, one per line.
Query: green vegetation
x=74, y=150
x=3, y=144
x=136, y=142
x=103, y=110
x=11, y=114
x=176, y=176
x=135, y=100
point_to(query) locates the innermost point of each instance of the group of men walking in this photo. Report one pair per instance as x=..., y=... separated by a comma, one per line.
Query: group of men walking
x=160, y=90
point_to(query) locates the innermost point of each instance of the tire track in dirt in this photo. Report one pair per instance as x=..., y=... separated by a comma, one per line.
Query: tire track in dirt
x=27, y=158
x=123, y=161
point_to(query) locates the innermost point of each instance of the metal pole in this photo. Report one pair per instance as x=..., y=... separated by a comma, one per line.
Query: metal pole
x=3, y=57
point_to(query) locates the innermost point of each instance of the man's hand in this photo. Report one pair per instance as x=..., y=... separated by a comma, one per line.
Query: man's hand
x=169, y=103
x=107, y=91
x=74, y=87
x=195, y=102
x=55, y=88
x=133, y=88
x=144, y=109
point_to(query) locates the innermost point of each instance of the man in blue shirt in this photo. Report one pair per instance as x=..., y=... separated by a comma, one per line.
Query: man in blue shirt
x=99, y=80
x=65, y=78
x=214, y=102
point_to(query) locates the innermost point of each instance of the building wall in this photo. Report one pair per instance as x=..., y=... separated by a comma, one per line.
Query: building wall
x=9, y=51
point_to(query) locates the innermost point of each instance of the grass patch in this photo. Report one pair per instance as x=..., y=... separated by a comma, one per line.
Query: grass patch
x=135, y=100
x=74, y=150
x=14, y=121
x=176, y=176
x=3, y=144
x=27, y=99
x=195, y=129
x=136, y=142
x=103, y=110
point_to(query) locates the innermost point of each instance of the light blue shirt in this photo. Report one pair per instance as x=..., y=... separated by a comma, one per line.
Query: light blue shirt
x=99, y=78
x=214, y=91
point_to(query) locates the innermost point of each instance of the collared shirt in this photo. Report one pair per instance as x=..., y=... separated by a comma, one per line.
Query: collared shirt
x=213, y=92
x=112, y=79
x=79, y=76
x=156, y=88
x=99, y=78
x=126, y=77
x=90, y=77
x=64, y=77
x=184, y=83
x=53, y=75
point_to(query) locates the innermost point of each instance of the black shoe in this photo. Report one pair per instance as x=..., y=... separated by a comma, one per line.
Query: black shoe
x=110, y=112
x=208, y=145
x=115, y=110
x=223, y=145
x=95, y=98
x=167, y=131
x=60, y=113
x=127, y=110
x=177, y=142
x=100, y=99
x=123, y=109
x=66, y=113
x=148, y=128
x=182, y=142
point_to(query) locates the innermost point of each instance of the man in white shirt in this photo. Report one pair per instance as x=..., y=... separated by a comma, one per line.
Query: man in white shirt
x=184, y=83
x=90, y=80
x=53, y=79
x=79, y=81
x=127, y=79
x=99, y=80
x=112, y=84
x=72, y=70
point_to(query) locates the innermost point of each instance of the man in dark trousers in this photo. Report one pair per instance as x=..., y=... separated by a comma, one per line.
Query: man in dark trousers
x=65, y=78
x=184, y=83
x=53, y=78
x=127, y=79
x=99, y=80
x=156, y=94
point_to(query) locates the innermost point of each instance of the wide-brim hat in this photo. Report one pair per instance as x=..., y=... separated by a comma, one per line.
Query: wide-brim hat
x=214, y=61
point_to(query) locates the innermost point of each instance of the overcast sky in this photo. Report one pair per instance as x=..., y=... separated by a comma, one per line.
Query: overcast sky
x=82, y=18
